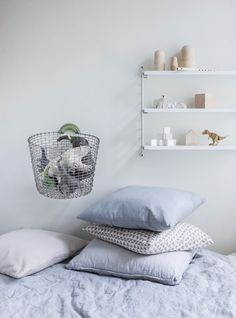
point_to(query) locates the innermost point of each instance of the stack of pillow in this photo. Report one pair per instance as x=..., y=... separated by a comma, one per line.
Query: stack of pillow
x=139, y=234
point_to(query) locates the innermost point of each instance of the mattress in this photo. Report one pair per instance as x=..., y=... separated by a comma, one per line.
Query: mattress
x=208, y=290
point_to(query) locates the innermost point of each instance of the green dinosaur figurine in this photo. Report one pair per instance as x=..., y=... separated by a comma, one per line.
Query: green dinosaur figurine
x=76, y=141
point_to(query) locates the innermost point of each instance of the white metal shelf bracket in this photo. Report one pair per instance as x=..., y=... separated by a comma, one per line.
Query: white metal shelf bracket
x=141, y=113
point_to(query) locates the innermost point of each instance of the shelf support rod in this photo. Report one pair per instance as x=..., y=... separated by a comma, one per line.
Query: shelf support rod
x=141, y=113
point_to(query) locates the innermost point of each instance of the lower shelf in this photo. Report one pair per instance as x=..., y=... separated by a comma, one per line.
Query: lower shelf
x=198, y=147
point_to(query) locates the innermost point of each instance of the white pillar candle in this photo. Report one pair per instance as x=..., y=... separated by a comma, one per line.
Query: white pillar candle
x=171, y=142
x=153, y=142
x=161, y=142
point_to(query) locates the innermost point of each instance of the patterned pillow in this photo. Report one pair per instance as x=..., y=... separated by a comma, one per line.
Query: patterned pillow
x=180, y=238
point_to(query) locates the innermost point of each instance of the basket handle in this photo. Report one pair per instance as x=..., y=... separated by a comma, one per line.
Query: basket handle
x=69, y=128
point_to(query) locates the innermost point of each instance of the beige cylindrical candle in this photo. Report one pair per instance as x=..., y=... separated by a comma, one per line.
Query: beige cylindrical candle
x=159, y=60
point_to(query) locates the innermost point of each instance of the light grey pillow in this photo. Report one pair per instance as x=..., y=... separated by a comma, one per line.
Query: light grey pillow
x=137, y=207
x=107, y=259
x=182, y=237
x=27, y=251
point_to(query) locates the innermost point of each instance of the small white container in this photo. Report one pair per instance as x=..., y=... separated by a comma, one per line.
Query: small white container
x=167, y=136
x=171, y=142
x=161, y=142
x=153, y=142
x=166, y=130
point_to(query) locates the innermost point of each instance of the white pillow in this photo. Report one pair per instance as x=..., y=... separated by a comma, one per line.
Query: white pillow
x=27, y=251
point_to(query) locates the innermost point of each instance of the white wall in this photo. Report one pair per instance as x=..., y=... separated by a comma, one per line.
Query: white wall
x=78, y=61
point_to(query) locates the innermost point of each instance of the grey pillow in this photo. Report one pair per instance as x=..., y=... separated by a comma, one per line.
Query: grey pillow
x=137, y=207
x=107, y=259
x=182, y=237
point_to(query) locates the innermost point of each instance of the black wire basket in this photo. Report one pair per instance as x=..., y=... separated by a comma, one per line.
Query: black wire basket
x=63, y=165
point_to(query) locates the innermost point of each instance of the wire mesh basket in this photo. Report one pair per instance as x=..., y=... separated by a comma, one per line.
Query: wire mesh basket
x=63, y=165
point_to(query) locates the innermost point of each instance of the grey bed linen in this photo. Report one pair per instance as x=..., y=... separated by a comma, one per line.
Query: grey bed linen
x=208, y=290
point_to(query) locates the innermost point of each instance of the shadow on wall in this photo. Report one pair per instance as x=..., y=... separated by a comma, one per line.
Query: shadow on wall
x=125, y=139
x=148, y=64
x=126, y=143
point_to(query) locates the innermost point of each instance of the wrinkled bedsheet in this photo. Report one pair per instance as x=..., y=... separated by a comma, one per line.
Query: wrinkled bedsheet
x=208, y=290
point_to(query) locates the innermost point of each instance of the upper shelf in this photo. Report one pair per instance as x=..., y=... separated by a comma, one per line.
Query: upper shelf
x=197, y=147
x=196, y=74
x=189, y=110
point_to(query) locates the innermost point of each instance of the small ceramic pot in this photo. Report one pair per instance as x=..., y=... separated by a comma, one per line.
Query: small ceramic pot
x=174, y=63
x=188, y=56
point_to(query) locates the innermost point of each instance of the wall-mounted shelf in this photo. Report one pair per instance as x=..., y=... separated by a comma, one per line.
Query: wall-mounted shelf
x=183, y=74
x=189, y=110
x=188, y=74
x=198, y=147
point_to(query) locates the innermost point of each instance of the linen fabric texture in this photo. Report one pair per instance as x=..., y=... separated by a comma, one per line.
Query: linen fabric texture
x=138, y=207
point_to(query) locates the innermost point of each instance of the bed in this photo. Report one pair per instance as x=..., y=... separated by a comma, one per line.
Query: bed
x=208, y=289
